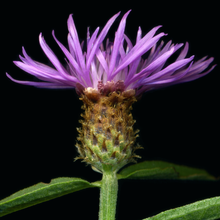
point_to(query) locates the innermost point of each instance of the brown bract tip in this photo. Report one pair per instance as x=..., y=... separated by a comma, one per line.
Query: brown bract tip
x=128, y=93
x=107, y=90
x=92, y=94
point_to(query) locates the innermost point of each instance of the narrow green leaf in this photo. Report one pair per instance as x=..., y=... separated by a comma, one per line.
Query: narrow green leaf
x=162, y=170
x=42, y=192
x=207, y=209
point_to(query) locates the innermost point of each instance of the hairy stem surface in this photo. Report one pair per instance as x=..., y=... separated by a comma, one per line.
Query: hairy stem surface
x=108, y=196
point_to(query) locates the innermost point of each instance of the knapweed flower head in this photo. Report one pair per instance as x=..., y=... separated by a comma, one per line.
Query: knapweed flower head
x=108, y=77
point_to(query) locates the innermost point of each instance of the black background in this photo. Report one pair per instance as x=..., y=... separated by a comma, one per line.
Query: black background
x=179, y=124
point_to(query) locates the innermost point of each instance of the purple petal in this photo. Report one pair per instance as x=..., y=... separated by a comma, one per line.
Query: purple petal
x=49, y=53
x=193, y=77
x=139, y=34
x=43, y=75
x=198, y=67
x=155, y=52
x=136, y=62
x=99, y=40
x=121, y=51
x=40, y=66
x=137, y=51
x=148, y=36
x=162, y=58
x=117, y=42
x=172, y=67
x=39, y=84
x=71, y=46
x=94, y=75
x=102, y=60
x=68, y=55
x=173, y=78
x=183, y=52
x=129, y=46
x=91, y=41
x=154, y=65
x=74, y=35
x=166, y=48
x=35, y=71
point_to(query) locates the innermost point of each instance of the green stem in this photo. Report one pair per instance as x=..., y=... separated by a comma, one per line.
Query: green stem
x=108, y=196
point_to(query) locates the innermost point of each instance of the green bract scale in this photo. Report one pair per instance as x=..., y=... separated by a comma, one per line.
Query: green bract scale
x=107, y=139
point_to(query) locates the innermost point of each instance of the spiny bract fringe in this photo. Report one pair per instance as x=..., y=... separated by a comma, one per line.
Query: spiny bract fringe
x=107, y=136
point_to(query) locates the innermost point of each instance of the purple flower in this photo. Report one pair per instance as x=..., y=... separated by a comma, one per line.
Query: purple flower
x=118, y=64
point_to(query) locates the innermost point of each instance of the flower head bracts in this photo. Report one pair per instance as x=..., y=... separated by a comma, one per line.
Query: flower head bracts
x=120, y=61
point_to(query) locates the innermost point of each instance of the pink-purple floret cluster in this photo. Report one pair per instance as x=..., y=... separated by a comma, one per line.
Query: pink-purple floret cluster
x=120, y=61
